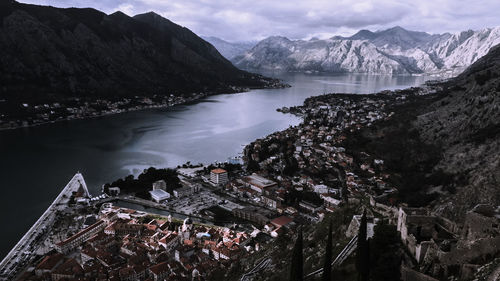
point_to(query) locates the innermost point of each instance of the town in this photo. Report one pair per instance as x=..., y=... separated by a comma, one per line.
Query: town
x=16, y=114
x=198, y=222
x=25, y=114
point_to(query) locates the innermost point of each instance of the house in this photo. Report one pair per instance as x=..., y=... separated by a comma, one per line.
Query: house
x=68, y=270
x=169, y=242
x=159, y=271
x=49, y=263
x=132, y=273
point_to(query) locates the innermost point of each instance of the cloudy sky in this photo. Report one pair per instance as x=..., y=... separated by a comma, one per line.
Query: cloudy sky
x=243, y=20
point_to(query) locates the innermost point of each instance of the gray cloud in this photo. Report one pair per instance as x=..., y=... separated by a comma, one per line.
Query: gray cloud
x=236, y=20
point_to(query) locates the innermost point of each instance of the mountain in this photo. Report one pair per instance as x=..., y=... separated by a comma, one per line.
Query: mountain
x=465, y=123
x=392, y=51
x=228, y=49
x=441, y=149
x=54, y=53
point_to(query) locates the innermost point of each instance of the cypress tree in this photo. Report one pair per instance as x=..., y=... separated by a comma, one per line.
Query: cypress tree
x=296, y=269
x=327, y=267
x=362, y=253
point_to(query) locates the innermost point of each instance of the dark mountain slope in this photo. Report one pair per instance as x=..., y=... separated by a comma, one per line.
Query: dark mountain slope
x=50, y=52
x=444, y=148
x=465, y=122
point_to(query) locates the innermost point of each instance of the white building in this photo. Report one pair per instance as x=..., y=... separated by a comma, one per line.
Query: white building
x=218, y=176
x=320, y=188
x=159, y=195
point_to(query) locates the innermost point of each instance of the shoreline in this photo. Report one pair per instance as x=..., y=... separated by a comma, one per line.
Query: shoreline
x=11, y=262
x=194, y=98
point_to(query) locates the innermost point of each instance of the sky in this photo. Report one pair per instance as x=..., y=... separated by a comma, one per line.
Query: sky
x=250, y=20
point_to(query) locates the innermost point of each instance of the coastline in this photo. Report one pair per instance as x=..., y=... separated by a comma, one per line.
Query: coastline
x=181, y=100
x=11, y=262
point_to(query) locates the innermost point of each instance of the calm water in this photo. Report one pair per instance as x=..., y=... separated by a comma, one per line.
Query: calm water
x=35, y=163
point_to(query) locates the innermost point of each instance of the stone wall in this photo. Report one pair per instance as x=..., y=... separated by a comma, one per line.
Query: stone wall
x=408, y=274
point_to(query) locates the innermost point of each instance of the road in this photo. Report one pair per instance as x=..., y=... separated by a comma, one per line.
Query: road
x=259, y=267
x=341, y=257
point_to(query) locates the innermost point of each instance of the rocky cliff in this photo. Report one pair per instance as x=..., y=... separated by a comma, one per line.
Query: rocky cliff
x=392, y=51
x=442, y=149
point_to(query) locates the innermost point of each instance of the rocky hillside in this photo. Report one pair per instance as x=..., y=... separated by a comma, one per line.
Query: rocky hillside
x=391, y=51
x=51, y=52
x=443, y=148
x=465, y=123
x=229, y=49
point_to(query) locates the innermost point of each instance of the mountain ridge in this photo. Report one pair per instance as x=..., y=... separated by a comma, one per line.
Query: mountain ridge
x=229, y=49
x=51, y=53
x=391, y=51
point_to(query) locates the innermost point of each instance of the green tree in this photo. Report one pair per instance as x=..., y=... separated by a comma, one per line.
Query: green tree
x=362, y=253
x=296, y=269
x=327, y=267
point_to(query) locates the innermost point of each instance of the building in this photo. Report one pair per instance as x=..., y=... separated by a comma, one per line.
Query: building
x=67, y=271
x=49, y=263
x=309, y=207
x=252, y=214
x=281, y=221
x=258, y=183
x=270, y=202
x=329, y=202
x=161, y=184
x=219, y=176
x=160, y=271
x=321, y=188
x=78, y=239
x=169, y=242
x=159, y=195
x=353, y=228
x=114, y=191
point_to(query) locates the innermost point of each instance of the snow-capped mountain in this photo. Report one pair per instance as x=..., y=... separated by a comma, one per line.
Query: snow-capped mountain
x=229, y=49
x=392, y=51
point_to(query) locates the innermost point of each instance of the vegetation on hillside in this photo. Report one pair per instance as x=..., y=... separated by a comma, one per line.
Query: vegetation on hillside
x=144, y=182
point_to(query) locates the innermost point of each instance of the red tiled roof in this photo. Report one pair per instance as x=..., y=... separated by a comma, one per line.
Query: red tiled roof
x=219, y=171
x=280, y=221
x=160, y=268
x=50, y=261
x=97, y=224
x=70, y=267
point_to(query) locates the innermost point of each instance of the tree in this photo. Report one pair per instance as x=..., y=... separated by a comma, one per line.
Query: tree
x=385, y=256
x=296, y=269
x=327, y=267
x=362, y=253
x=343, y=188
